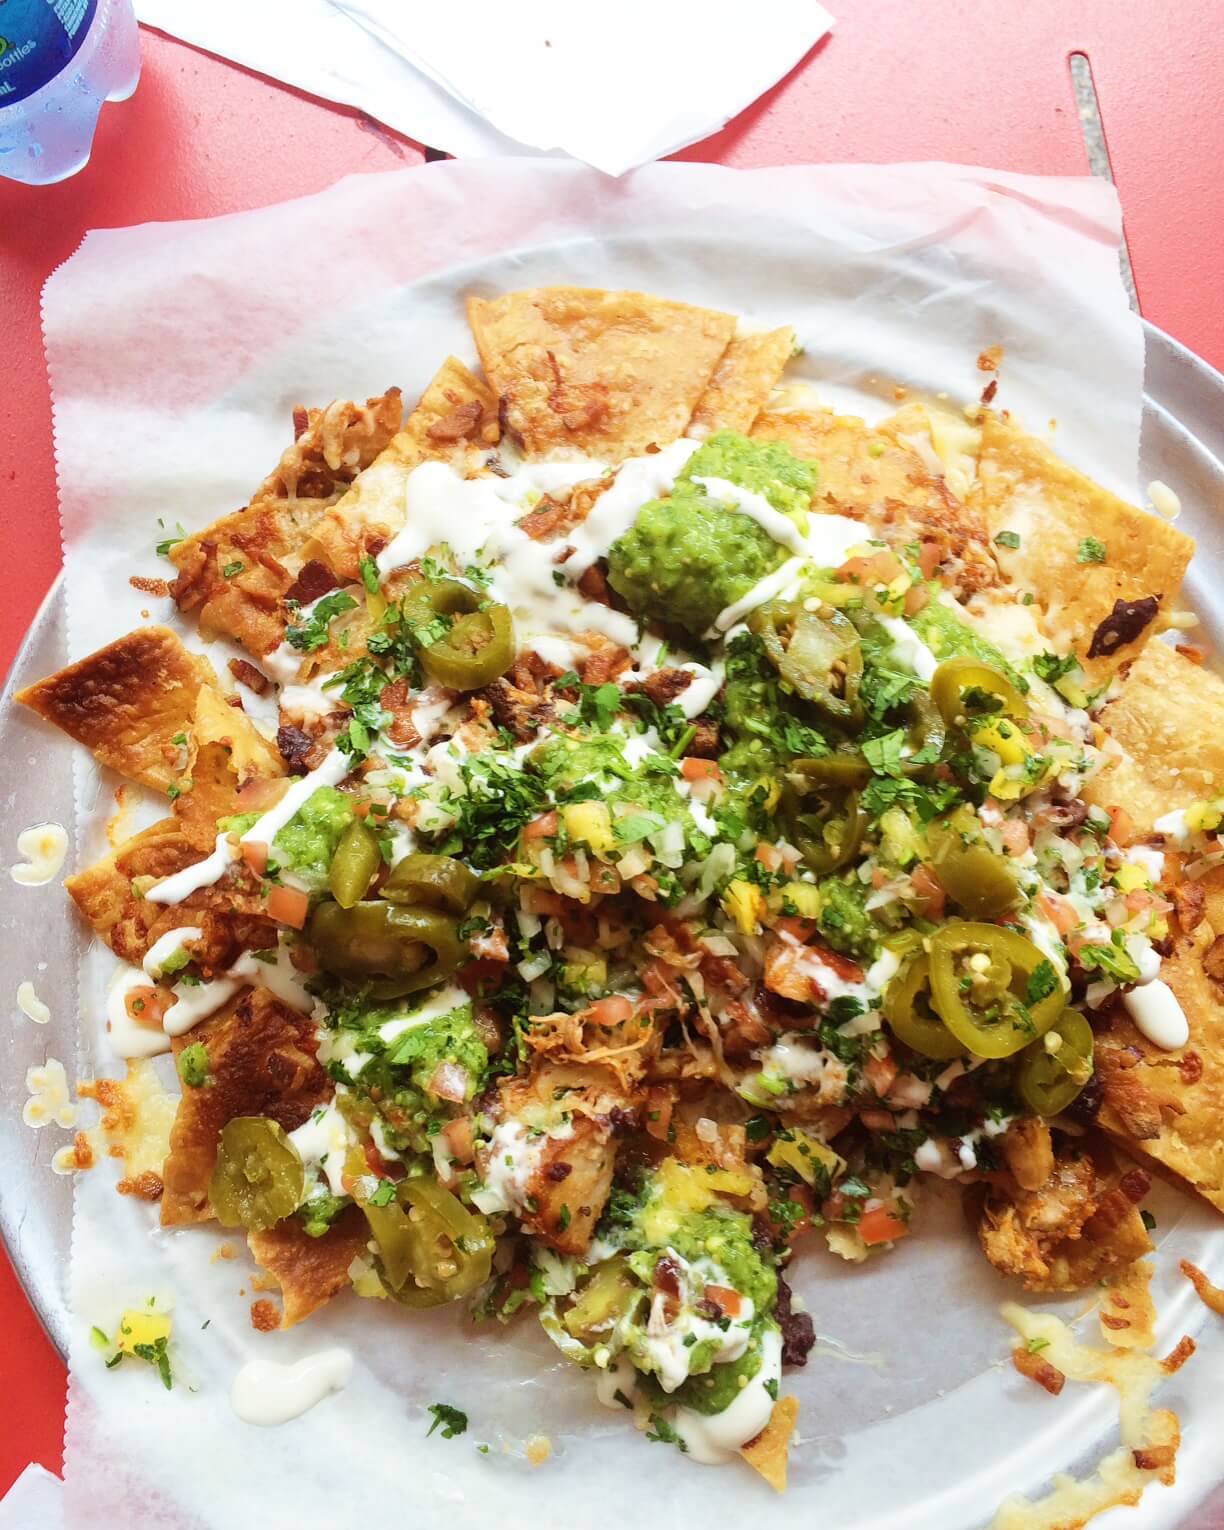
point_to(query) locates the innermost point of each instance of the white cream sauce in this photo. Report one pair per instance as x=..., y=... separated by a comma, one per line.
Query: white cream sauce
x=331, y=772
x=323, y=1143
x=265, y=1393
x=909, y=647
x=205, y=873
x=757, y=508
x=714, y=1438
x=44, y=846
x=1157, y=1014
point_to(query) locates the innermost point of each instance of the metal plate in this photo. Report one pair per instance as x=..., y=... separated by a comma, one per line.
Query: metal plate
x=1182, y=443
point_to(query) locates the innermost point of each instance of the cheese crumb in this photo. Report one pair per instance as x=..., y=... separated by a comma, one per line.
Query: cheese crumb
x=31, y=1005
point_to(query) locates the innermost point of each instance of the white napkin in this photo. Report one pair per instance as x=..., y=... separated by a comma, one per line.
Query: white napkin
x=615, y=86
x=34, y=1502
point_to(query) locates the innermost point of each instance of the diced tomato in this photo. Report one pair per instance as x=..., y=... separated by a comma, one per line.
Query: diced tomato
x=255, y=854
x=693, y=769
x=614, y=1010
x=802, y=1196
x=1121, y=827
x=147, y=1006
x=877, y=1120
x=361, y=809
x=458, y=1134
x=768, y=856
x=1059, y=912
x=879, y=1225
x=878, y=876
x=881, y=1073
x=879, y=568
x=731, y=1302
x=928, y=559
x=1015, y=835
x=539, y=900
x=916, y=597
x=927, y=887
x=376, y=1161
x=543, y=827
x=288, y=906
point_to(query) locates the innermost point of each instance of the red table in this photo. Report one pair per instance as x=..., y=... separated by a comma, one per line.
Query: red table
x=977, y=81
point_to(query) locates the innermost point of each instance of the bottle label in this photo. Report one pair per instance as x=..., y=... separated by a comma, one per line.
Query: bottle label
x=37, y=39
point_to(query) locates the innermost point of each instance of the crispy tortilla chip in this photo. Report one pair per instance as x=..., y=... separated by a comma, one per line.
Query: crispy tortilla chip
x=248, y=753
x=1169, y=719
x=742, y=382
x=236, y=572
x=767, y=1453
x=1168, y=1107
x=261, y=1059
x=1128, y=1314
x=607, y=373
x=310, y=1271
x=874, y=476
x=1022, y=487
x=127, y=702
x=229, y=913
x=455, y=421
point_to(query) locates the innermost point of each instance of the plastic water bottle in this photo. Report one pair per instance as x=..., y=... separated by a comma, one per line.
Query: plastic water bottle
x=59, y=60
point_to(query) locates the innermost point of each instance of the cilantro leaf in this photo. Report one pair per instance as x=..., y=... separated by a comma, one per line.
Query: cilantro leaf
x=1091, y=551
x=312, y=633
x=883, y=754
x=1114, y=960
x=369, y=575
x=1008, y=539
x=1050, y=667
x=452, y=1421
x=1043, y=980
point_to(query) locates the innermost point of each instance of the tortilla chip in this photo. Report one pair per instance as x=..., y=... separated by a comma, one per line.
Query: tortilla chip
x=1022, y=487
x=606, y=373
x=874, y=476
x=1184, y=1133
x=310, y=1271
x=127, y=703
x=455, y=421
x=236, y=572
x=1169, y=718
x=1128, y=1314
x=261, y=1059
x=742, y=382
x=768, y=1452
x=246, y=752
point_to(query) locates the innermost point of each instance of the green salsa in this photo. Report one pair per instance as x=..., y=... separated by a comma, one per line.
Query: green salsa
x=308, y=841
x=947, y=636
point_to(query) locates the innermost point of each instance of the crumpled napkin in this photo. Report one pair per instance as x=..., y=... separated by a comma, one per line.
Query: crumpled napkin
x=616, y=86
x=34, y=1502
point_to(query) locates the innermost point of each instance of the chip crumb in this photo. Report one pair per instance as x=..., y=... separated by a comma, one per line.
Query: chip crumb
x=224, y=1251
x=265, y=1315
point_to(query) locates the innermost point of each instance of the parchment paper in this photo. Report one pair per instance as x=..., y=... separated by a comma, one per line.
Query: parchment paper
x=176, y=353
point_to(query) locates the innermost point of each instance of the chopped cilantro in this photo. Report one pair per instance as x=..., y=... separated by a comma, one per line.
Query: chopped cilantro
x=451, y=1421
x=312, y=633
x=1149, y=1221
x=163, y=547
x=1050, y=668
x=1008, y=539
x=384, y=1195
x=231, y=569
x=156, y=1355
x=663, y=1432
x=883, y=754
x=1035, y=1346
x=369, y=575
x=1043, y=980
x=634, y=827
x=1114, y=960
x=1091, y=551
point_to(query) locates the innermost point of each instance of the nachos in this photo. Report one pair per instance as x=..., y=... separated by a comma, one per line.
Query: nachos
x=657, y=825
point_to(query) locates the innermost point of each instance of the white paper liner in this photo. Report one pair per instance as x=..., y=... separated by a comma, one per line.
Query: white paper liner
x=176, y=354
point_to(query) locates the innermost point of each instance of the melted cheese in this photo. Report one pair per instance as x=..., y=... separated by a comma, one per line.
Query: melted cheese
x=31, y=1005
x=44, y=846
x=1117, y=1479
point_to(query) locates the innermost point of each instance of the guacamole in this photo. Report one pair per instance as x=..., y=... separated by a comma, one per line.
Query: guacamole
x=765, y=467
x=939, y=627
x=448, y=1038
x=716, y=1389
x=687, y=558
x=308, y=841
x=844, y=921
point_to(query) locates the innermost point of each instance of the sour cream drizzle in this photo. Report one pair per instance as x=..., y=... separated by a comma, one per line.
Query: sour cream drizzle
x=713, y=1438
x=265, y=1393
